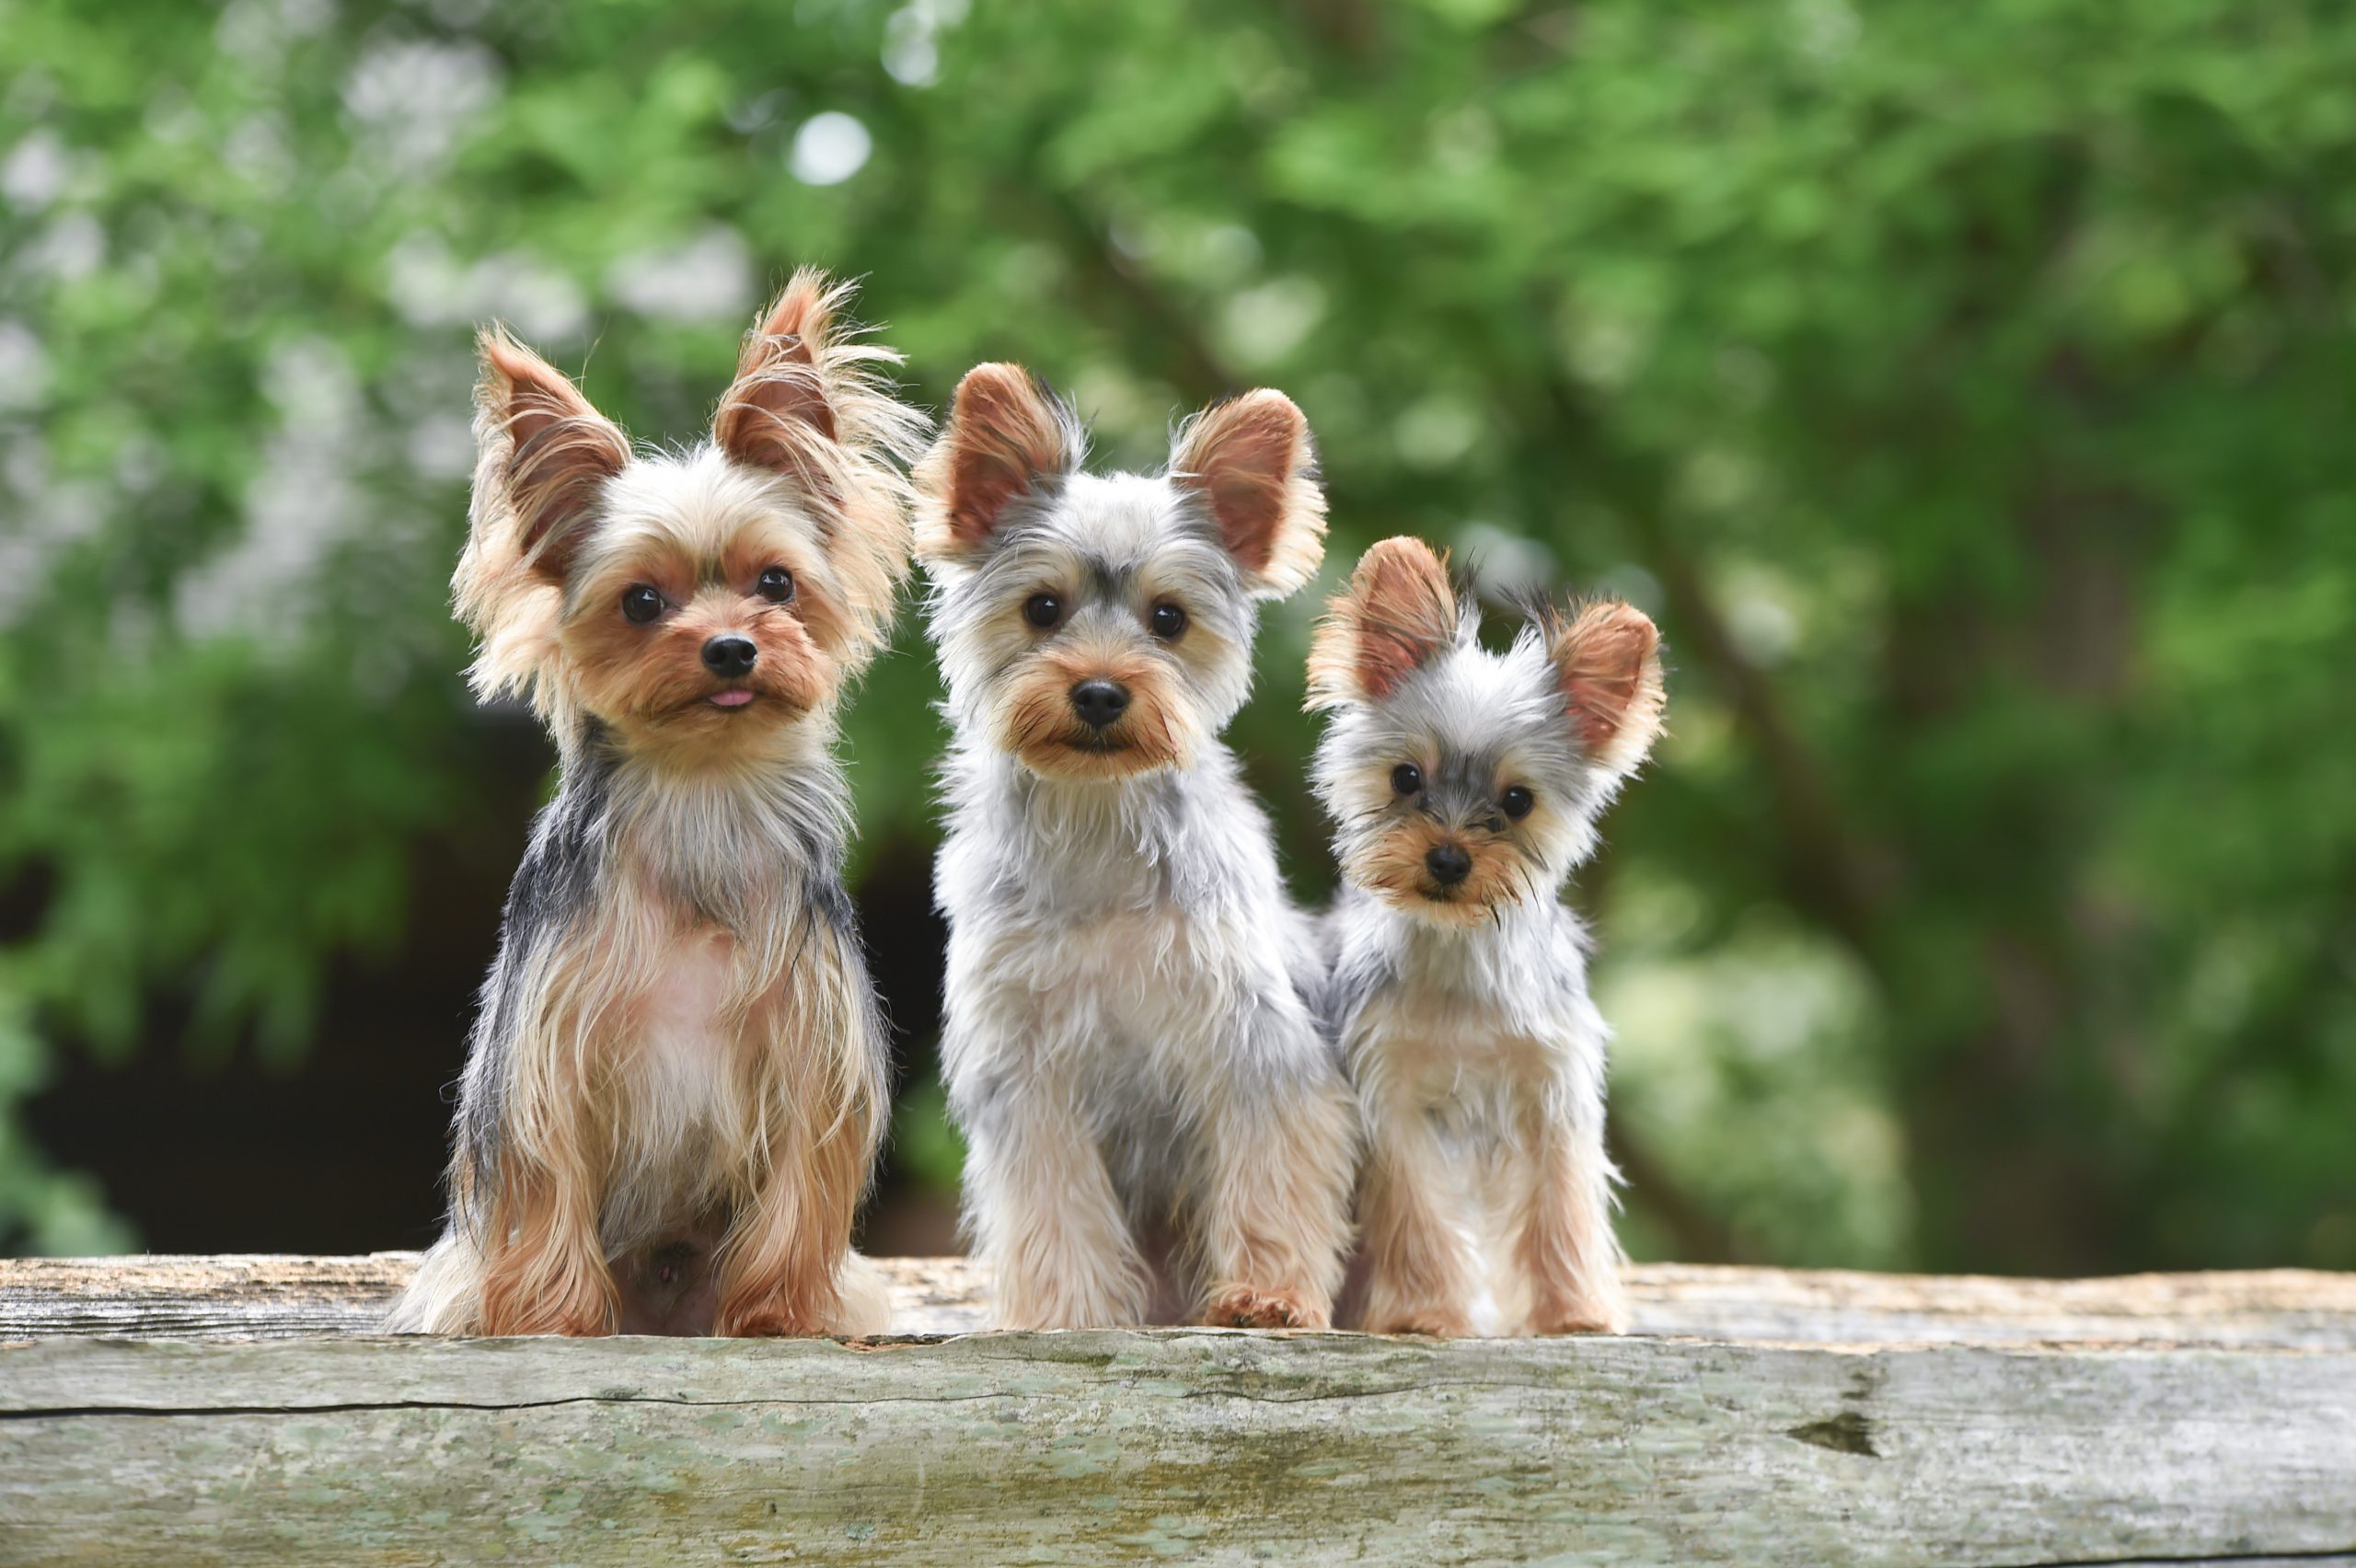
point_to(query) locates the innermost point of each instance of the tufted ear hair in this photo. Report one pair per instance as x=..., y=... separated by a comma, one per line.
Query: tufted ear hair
x=810, y=404
x=1397, y=612
x=1607, y=659
x=543, y=455
x=1006, y=434
x=543, y=451
x=1253, y=462
x=779, y=404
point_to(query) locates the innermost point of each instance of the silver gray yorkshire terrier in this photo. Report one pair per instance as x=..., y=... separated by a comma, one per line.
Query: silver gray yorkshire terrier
x=1465, y=785
x=676, y=1082
x=1155, y=1125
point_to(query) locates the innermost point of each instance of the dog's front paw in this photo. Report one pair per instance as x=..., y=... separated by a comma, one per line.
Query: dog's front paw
x=1584, y=1318
x=1437, y=1322
x=772, y=1319
x=1242, y=1306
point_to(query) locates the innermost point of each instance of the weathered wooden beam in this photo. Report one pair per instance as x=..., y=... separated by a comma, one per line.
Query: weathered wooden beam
x=1765, y=1418
x=1216, y=1447
x=270, y=1296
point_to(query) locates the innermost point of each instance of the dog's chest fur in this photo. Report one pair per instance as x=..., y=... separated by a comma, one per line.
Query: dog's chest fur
x=678, y=1060
x=704, y=929
x=1461, y=1023
x=1136, y=925
x=1169, y=857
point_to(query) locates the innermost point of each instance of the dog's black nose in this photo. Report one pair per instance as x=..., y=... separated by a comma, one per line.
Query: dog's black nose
x=730, y=655
x=1099, y=702
x=1447, y=864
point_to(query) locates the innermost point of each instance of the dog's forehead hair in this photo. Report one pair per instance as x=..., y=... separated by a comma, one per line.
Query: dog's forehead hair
x=1119, y=519
x=1478, y=710
x=697, y=505
x=1113, y=537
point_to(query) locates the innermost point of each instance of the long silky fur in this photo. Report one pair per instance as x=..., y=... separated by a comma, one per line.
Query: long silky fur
x=859, y=474
x=1477, y=1055
x=679, y=1035
x=1155, y=1128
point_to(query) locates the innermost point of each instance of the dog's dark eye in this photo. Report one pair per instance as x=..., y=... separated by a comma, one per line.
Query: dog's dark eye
x=1169, y=622
x=776, y=585
x=1407, y=779
x=1043, y=610
x=640, y=604
x=1517, y=802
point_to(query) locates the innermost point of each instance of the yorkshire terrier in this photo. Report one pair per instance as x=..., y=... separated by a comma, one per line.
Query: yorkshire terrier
x=676, y=1082
x=1155, y=1124
x=1465, y=785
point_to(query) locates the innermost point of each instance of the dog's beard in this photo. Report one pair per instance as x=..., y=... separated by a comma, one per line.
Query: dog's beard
x=1390, y=865
x=1041, y=730
x=656, y=694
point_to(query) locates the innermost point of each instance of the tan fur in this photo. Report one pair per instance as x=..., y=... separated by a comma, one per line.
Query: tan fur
x=1425, y=1272
x=1004, y=433
x=792, y=1123
x=809, y=407
x=1398, y=610
x=1507, y=1228
x=1266, y=1231
x=1391, y=868
x=649, y=681
x=544, y=1273
x=543, y=454
x=1071, y=1262
x=1252, y=461
x=1566, y=1249
x=692, y=1055
x=1476, y=1050
x=1157, y=730
x=809, y=402
x=1608, y=655
x=781, y=1263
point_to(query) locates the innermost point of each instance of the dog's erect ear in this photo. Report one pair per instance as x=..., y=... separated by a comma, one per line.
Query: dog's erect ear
x=1607, y=659
x=810, y=403
x=1250, y=459
x=779, y=404
x=546, y=449
x=1006, y=433
x=1397, y=611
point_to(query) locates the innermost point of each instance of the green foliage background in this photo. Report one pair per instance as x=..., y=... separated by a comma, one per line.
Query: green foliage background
x=1967, y=389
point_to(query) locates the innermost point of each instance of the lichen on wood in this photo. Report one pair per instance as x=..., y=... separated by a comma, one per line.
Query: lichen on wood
x=2182, y=1418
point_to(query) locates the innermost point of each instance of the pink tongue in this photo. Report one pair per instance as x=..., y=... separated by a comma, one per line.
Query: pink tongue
x=730, y=699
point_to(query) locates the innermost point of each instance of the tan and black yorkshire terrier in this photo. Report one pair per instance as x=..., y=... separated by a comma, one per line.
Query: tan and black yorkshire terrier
x=677, y=1083
x=1465, y=785
x=1155, y=1125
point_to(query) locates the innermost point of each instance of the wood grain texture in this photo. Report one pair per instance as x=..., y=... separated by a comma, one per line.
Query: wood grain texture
x=196, y=1410
x=266, y=1296
x=273, y=1297
x=1214, y=1446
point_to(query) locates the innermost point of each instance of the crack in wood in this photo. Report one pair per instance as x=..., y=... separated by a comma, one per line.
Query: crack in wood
x=624, y=1397
x=1992, y=1428
x=1848, y=1433
x=2328, y=1554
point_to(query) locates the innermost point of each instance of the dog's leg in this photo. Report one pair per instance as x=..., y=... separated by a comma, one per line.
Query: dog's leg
x=1567, y=1249
x=1275, y=1196
x=1424, y=1273
x=1045, y=1216
x=544, y=1271
x=781, y=1269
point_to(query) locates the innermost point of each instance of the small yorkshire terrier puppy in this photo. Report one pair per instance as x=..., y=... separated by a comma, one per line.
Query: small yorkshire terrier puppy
x=1155, y=1125
x=1466, y=785
x=676, y=1082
